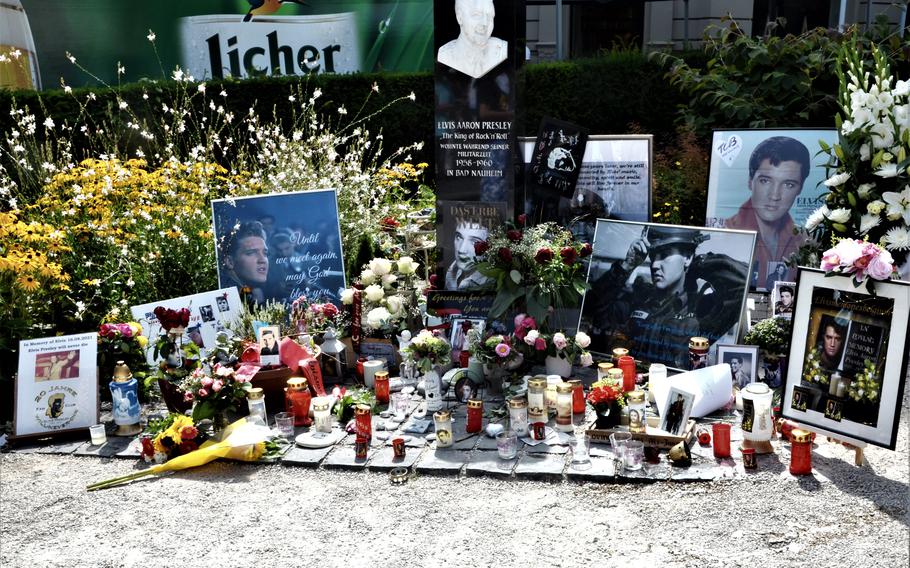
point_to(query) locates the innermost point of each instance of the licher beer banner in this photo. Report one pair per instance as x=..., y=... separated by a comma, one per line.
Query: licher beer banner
x=211, y=39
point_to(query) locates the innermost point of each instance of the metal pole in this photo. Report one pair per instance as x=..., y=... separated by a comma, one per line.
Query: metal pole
x=842, y=17
x=868, y=15
x=902, y=21
x=559, y=30
x=686, y=18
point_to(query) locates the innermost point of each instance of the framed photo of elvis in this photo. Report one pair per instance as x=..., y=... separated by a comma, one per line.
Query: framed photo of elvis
x=768, y=181
x=848, y=357
x=56, y=389
x=743, y=361
x=653, y=287
x=614, y=182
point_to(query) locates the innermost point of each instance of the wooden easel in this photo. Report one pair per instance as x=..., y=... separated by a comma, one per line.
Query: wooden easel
x=849, y=443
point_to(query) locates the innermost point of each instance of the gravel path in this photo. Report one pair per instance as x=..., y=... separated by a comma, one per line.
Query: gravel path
x=229, y=514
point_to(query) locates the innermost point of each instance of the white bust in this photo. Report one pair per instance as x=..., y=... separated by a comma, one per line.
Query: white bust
x=474, y=52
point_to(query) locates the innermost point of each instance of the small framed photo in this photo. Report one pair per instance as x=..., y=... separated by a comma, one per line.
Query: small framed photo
x=465, y=388
x=676, y=411
x=269, y=337
x=848, y=357
x=458, y=337
x=743, y=361
x=782, y=297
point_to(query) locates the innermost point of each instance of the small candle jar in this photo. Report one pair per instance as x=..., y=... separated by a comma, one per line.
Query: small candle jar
x=615, y=375
x=297, y=401
x=617, y=353
x=381, y=386
x=602, y=369
x=698, y=353
x=800, y=452
x=637, y=407
x=550, y=394
x=578, y=396
x=475, y=416
x=255, y=400
x=749, y=461
x=507, y=445
x=125, y=397
x=361, y=446
x=442, y=419
x=721, y=436
x=518, y=416
x=398, y=448
x=370, y=368
x=657, y=379
x=537, y=386
x=564, y=407
x=322, y=415
x=627, y=365
x=757, y=424
x=363, y=420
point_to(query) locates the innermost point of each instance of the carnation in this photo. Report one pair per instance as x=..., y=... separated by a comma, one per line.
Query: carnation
x=816, y=217
x=897, y=238
x=837, y=179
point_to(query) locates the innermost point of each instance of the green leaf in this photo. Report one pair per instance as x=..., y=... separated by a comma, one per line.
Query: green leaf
x=203, y=410
x=504, y=300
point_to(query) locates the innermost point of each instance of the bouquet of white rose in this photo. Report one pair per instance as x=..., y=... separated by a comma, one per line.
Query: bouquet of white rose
x=389, y=296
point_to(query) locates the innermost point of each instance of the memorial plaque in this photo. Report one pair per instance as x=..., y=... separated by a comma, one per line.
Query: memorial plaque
x=475, y=99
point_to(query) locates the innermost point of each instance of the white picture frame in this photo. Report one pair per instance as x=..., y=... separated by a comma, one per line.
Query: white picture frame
x=837, y=328
x=674, y=416
x=56, y=389
x=747, y=370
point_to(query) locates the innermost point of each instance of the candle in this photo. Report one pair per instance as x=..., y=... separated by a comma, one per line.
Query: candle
x=835, y=381
x=564, y=407
x=363, y=420
x=475, y=416
x=255, y=400
x=537, y=386
x=578, y=396
x=800, y=452
x=381, y=386
x=518, y=416
x=297, y=401
x=637, y=408
x=370, y=368
x=627, y=364
x=322, y=415
x=443, y=421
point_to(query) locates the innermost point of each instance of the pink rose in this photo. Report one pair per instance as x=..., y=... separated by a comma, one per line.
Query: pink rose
x=125, y=330
x=540, y=344
x=830, y=261
x=849, y=250
x=217, y=385
x=881, y=266
x=518, y=319
x=188, y=397
x=203, y=393
x=559, y=341
x=207, y=382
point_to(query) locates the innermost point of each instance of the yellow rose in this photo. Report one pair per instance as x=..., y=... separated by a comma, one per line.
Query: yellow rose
x=142, y=341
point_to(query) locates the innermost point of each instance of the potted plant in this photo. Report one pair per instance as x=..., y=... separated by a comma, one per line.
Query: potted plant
x=607, y=400
x=772, y=336
x=564, y=351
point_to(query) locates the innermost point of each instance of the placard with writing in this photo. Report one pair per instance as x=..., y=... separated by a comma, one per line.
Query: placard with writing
x=57, y=385
x=465, y=224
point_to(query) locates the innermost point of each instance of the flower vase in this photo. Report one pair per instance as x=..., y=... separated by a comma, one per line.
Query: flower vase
x=608, y=416
x=558, y=366
x=173, y=397
x=493, y=376
x=219, y=422
x=432, y=390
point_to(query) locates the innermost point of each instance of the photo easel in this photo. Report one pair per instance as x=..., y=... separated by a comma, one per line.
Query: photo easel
x=857, y=446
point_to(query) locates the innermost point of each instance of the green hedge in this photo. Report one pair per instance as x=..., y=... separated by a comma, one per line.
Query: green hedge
x=608, y=95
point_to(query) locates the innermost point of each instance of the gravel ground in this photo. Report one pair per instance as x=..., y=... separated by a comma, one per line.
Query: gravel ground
x=229, y=514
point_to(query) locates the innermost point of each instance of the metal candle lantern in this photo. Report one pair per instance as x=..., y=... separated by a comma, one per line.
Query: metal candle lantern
x=334, y=363
x=125, y=396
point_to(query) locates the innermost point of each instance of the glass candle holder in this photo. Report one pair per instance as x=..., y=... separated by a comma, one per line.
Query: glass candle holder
x=617, y=353
x=633, y=455
x=550, y=394
x=442, y=419
x=627, y=364
x=475, y=416
x=757, y=425
x=381, y=386
x=297, y=401
x=98, y=434
x=284, y=423
x=507, y=444
x=518, y=416
x=602, y=369
x=361, y=447
x=537, y=387
x=399, y=405
x=698, y=353
x=581, y=456
x=564, y=407
x=398, y=448
x=322, y=414
x=657, y=379
x=363, y=420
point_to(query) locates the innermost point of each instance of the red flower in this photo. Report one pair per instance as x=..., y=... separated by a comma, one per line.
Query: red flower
x=569, y=256
x=544, y=255
x=329, y=310
x=540, y=344
x=169, y=319
x=188, y=433
x=505, y=254
x=390, y=222
x=522, y=219
x=188, y=446
x=108, y=330
x=514, y=235
x=481, y=247
x=148, y=449
x=586, y=250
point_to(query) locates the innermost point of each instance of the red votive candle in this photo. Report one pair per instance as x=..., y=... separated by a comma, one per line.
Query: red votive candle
x=800, y=452
x=297, y=401
x=381, y=386
x=721, y=440
x=475, y=416
x=578, y=396
x=363, y=420
x=627, y=364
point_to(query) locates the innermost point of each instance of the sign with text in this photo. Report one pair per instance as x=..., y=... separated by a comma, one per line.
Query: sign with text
x=57, y=385
x=280, y=246
x=219, y=46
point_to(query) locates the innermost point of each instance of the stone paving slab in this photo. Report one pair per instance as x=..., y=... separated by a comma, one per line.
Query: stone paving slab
x=442, y=462
x=649, y=473
x=106, y=450
x=305, y=457
x=600, y=470
x=486, y=443
x=489, y=464
x=65, y=448
x=385, y=459
x=545, y=467
x=132, y=449
x=345, y=457
x=545, y=449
